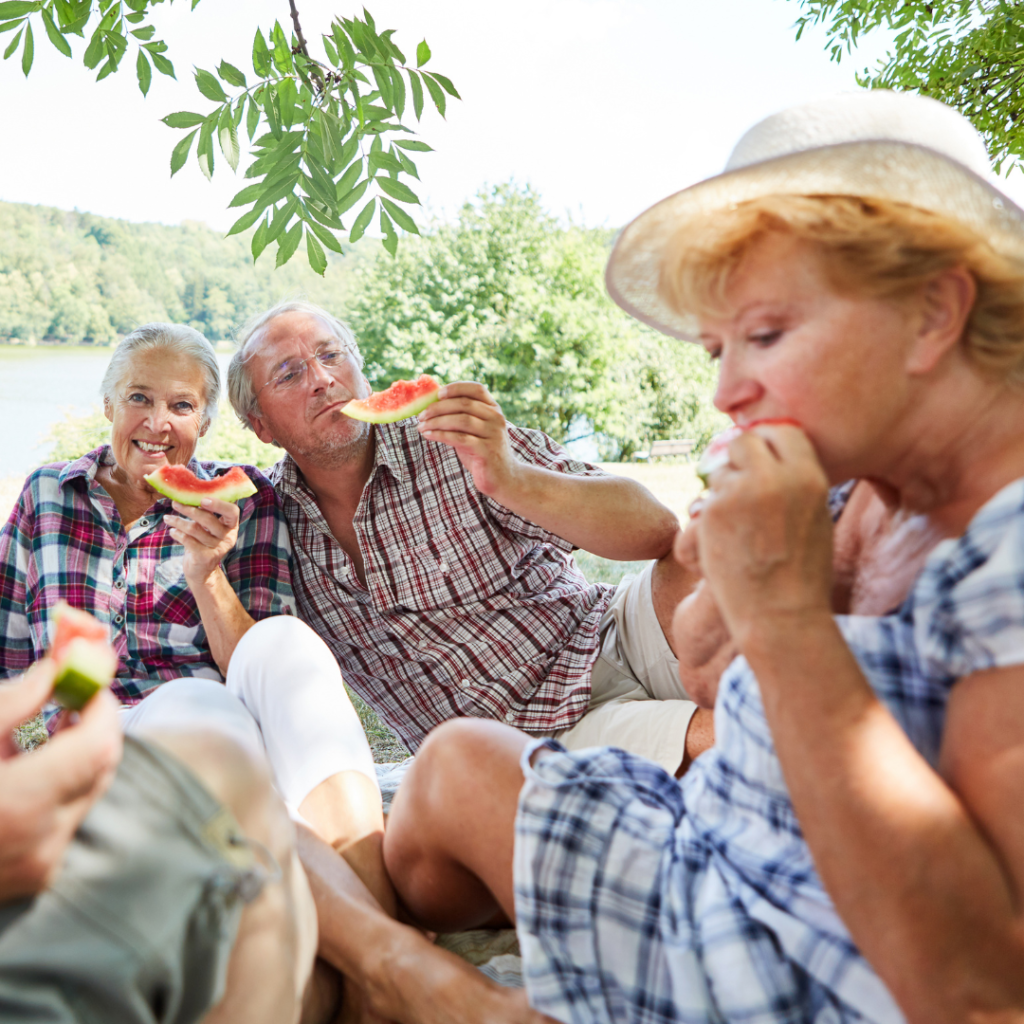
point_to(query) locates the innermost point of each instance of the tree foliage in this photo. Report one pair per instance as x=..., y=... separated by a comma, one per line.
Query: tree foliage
x=323, y=152
x=74, y=277
x=967, y=53
x=508, y=297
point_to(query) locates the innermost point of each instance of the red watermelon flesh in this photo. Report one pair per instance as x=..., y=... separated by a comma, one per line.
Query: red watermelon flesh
x=180, y=484
x=403, y=399
x=716, y=454
x=85, y=660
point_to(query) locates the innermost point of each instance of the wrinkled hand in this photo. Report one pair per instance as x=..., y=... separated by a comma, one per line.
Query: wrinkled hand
x=45, y=794
x=208, y=533
x=764, y=532
x=470, y=420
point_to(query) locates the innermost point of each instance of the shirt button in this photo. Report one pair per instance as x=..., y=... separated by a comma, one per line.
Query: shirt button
x=464, y=682
x=119, y=619
x=510, y=716
x=119, y=584
x=143, y=522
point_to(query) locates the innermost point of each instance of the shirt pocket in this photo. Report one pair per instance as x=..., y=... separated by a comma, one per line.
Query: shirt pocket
x=169, y=598
x=465, y=564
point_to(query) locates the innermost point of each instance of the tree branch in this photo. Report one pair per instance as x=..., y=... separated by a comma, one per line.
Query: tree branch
x=298, y=29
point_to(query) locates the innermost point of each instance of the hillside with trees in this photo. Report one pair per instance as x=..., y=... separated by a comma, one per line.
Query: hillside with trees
x=74, y=277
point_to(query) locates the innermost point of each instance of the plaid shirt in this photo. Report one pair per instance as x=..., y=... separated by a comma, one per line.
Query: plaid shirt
x=468, y=609
x=65, y=539
x=645, y=899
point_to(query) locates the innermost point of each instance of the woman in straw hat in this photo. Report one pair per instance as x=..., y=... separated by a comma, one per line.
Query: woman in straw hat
x=852, y=848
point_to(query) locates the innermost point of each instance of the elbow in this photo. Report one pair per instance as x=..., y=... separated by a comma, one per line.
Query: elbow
x=700, y=683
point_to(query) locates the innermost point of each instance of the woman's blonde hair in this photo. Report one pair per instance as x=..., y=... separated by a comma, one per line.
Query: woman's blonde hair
x=871, y=247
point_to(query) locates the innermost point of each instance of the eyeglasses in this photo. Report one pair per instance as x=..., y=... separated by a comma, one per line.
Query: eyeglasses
x=292, y=372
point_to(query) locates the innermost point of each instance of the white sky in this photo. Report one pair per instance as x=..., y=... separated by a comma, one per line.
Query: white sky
x=604, y=106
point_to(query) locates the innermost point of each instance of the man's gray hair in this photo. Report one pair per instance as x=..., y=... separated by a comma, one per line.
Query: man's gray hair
x=177, y=338
x=241, y=390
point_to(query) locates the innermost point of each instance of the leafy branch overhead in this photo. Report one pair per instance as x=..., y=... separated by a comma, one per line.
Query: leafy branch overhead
x=327, y=136
x=967, y=53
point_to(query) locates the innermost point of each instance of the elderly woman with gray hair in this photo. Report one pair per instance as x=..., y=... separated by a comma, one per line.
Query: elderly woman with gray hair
x=195, y=597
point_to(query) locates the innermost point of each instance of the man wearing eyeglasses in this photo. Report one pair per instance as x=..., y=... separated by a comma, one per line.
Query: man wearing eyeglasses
x=433, y=555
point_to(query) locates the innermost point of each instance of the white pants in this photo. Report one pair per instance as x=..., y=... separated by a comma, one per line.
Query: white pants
x=284, y=696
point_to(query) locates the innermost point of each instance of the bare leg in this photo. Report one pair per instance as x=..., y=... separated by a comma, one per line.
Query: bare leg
x=401, y=976
x=450, y=834
x=273, y=953
x=345, y=810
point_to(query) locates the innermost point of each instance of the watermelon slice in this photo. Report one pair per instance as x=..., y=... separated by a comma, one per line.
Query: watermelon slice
x=180, y=484
x=404, y=398
x=716, y=454
x=85, y=660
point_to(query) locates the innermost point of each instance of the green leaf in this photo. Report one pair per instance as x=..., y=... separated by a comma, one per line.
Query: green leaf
x=347, y=181
x=341, y=40
x=204, y=148
x=245, y=221
x=422, y=54
x=392, y=49
x=385, y=160
x=282, y=51
x=281, y=188
x=324, y=235
x=55, y=37
x=390, y=240
x=287, y=98
x=332, y=53
x=260, y=240
x=315, y=253
x=252, y=118
x=324, y=216
x=281, y=218
x=260, y=55
x=347, y=201
x=330, y=141
x=446, y=84
x=401, y=218
x=94, y=51
x=348, y=150
x=417, y=94
x=231, y=74
x=209, y=86
x=135, y=17
x=270, y=109
x=383, y=80
x=362, y=221
x=415, y=145
x=398, y=90
x=436, y=93
x=397, y=190
x=288, y=243
x=228, y=138
x=247, y=195
x=161, y=63
x=180, y=152
x=29, y=52
x=13, y=44
x=144, y=72
x=145, y=33
x=18, y=8
x=183, y=119
x=407, y=165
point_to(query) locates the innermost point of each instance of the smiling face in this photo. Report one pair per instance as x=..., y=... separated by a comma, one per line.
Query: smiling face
x=306, y=419
x=790, y=345
x=157, y=413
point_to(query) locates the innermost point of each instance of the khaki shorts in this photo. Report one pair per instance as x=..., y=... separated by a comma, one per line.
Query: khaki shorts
x=139, y=924
x=637, y=702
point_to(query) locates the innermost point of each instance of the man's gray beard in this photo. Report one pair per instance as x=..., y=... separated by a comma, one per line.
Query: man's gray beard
x=331, y=452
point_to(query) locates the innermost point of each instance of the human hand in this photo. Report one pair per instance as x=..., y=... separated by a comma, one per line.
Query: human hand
x=467, y=418
x=207, y=532
x=764, y=532
x=45, y=794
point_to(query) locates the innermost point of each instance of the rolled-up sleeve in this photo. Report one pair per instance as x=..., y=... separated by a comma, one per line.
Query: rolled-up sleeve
x=16, y=647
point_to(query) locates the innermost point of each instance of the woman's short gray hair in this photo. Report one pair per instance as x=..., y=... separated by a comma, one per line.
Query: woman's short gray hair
x=177, y=338
x=241, y=390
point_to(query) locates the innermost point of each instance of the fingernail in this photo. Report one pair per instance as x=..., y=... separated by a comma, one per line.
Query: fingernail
x=205, y=503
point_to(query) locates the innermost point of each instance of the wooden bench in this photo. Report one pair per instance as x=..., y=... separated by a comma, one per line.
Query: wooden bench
x=675, y=446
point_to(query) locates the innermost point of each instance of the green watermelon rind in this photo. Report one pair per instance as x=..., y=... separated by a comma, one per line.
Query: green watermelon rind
x=358, y=409
x=229, y=492
x=86, y=668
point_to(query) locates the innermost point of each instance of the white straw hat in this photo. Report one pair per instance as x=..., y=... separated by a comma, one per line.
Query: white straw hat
x=874, y=144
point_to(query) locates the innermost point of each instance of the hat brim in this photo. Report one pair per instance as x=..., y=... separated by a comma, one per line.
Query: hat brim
x=894, y=171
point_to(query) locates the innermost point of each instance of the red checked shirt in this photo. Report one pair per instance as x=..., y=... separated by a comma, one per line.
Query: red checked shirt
x=468, y=609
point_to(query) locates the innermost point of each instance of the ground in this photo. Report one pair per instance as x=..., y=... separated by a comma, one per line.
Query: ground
x=673, y=482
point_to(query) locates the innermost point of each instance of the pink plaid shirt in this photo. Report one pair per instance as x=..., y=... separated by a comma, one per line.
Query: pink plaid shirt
x=468, y=609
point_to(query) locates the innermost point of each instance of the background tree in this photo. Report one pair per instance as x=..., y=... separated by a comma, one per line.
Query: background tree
x=506, y=296
x=967, y=53
x=335, y=133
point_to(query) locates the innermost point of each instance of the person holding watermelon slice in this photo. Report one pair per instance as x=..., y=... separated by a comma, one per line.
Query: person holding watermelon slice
x=851, y=849
x=433, y=553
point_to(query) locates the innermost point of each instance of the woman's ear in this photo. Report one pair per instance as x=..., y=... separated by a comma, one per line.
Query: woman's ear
x=108, y=409
x=944, y=309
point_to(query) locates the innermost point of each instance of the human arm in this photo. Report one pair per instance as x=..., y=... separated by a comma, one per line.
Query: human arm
x=45, y=794
x=208, y=533
x=925, y=869
x=610, y=516
x=16, y=651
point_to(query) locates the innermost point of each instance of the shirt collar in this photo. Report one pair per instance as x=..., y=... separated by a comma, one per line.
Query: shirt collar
x=87, y=466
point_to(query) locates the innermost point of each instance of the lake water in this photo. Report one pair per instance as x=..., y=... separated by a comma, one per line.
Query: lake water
x=38, y=388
